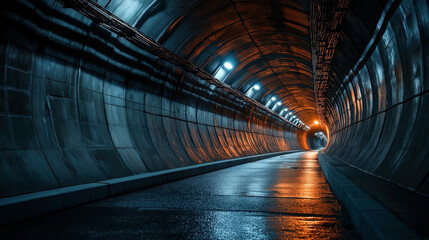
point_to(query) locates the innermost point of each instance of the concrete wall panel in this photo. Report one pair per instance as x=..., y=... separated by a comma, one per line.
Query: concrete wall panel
x=80, y=104
x=385, y=132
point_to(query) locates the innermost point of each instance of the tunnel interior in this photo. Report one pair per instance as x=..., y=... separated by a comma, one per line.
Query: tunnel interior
x=317, y=140
x=96, y=90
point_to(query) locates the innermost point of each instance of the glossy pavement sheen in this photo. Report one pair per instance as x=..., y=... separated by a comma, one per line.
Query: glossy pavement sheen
x=79, y=104
x=280, y=197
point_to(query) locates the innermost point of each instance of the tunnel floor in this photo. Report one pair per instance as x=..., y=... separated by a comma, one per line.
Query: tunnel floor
x=280, y=197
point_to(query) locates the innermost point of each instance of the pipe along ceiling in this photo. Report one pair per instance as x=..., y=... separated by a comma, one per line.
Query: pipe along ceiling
x=94, y=90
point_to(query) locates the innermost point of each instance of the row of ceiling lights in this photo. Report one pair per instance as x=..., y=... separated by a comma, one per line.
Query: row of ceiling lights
x=223, y=71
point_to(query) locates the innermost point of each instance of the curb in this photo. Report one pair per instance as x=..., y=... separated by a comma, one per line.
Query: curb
x=371, y=219
x=30, y=205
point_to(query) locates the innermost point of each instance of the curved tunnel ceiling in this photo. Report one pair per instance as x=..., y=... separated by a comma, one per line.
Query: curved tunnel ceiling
x=80, y=103
x=268, y=43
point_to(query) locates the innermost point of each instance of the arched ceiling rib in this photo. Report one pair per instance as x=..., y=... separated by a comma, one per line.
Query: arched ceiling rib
x=269, y=42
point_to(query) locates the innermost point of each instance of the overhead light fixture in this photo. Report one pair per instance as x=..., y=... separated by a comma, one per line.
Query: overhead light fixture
x=256, y=87
x=228, y=65
x=273, y=98
x=278, y=103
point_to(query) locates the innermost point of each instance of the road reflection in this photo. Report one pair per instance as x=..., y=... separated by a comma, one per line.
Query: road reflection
x=283, y=197
x=313, y=213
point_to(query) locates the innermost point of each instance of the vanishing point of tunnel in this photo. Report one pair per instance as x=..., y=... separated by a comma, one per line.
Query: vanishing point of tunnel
x=214, y=119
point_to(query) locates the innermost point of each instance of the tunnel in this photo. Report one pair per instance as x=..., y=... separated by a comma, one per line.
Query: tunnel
x=96, y=95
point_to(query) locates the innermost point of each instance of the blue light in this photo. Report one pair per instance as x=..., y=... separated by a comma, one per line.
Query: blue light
x=228, y=65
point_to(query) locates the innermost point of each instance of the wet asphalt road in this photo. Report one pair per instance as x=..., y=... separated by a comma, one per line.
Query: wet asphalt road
x=282, y=197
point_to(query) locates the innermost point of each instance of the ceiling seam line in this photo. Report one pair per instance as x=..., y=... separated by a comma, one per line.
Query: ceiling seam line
x=260, y=52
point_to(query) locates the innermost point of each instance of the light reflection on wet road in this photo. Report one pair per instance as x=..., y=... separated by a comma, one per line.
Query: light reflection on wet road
x=283, y=197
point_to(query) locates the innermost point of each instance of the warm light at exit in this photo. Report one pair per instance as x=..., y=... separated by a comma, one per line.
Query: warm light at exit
x=316, y=122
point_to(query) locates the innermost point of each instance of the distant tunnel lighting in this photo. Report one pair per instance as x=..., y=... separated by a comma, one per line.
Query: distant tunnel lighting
x=228, y=65
x=273, y=98
x=256, y=87
x=316, y=122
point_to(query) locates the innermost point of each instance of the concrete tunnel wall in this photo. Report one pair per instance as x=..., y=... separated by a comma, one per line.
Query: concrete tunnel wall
x=79, y=104
x=378, y=116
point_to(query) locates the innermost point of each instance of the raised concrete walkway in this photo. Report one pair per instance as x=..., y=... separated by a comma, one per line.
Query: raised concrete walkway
x=378, y=208
x=29, y=205
x=281, y=197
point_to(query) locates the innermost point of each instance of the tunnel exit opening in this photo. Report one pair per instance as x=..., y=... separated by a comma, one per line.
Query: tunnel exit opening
x=317, y=140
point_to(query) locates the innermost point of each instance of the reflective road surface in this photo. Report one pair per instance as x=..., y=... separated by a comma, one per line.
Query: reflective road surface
x=282, y=197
